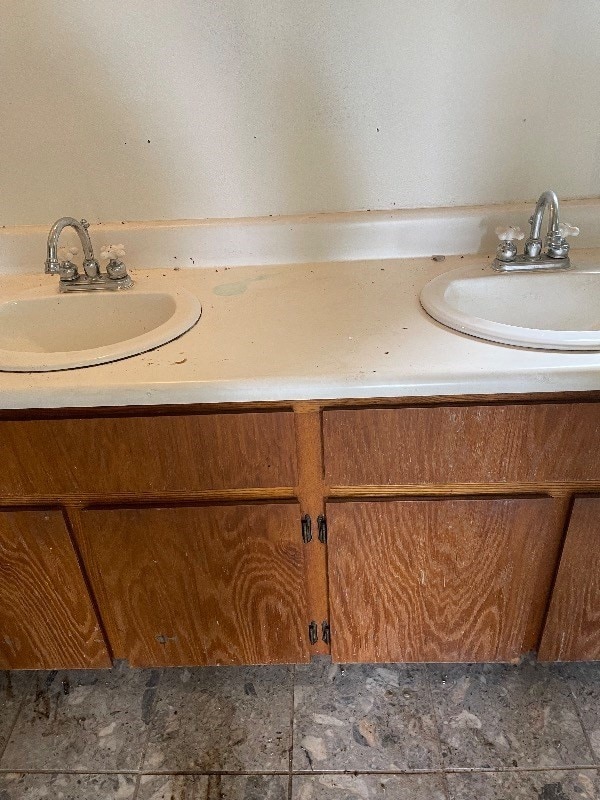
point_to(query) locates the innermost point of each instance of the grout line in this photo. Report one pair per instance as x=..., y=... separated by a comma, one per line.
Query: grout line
x=307, y=772
x=199, y=773
x=14, y=724
x=368, y=772
x=291, y=753
x=214, y=772
x=450, y=770
x=151, y=720
x=136, y=788
x=140, y=772
x=21, y=771
x=541, y=768
x=438, y=730
x=134, y=773
x=573, y=697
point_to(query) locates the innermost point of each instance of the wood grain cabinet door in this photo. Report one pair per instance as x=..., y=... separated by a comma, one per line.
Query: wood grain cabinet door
x=47, y=620
x=199, y=585
x=438, y=580
x=572, y=630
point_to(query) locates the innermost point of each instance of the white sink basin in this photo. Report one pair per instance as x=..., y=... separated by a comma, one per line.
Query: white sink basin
x=46, y=332
x=547, y=310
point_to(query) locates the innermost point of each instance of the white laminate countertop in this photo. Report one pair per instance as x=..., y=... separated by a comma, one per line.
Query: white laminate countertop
x=303, y=332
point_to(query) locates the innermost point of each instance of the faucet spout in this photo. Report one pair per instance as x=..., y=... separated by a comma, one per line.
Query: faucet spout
x=556, y=245
x=547, y=200
x=90, y=265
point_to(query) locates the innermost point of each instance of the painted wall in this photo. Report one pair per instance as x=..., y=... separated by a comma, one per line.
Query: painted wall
x=164, y=109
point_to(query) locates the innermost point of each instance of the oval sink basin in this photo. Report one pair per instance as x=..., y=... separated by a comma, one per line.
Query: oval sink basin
x=548, y=310
x=64, y=331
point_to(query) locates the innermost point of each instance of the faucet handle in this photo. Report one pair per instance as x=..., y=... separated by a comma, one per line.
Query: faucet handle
x=507, y=249
x=67, y=269
x=508, y=233
x=564, y=230
x=115, y=269
x=67, y=253
x=112, y=252
x=556, y=241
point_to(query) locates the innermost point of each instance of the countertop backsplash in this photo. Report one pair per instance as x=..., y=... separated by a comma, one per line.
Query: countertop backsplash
x=312, y=238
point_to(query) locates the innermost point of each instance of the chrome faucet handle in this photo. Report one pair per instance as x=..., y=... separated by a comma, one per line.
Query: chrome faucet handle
x=507, y=249
x=556, y=241
x=67, y=270
x=113, y=253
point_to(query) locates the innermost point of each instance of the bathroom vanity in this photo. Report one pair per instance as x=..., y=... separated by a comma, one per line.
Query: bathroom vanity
x=196, y=505
x=438, y=530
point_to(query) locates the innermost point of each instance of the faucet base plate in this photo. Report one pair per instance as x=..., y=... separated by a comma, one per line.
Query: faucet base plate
x=527, y=264
x=83, y=283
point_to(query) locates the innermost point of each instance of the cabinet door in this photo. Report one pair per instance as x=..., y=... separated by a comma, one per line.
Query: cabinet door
x=572, y=631
x=203, y=585
x=47, y=620
x=438, y=580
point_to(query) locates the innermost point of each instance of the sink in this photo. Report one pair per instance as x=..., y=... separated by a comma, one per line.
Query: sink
x=550, y=310
x=46, y=332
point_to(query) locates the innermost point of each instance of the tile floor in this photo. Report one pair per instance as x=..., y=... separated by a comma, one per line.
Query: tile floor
x=314, y=732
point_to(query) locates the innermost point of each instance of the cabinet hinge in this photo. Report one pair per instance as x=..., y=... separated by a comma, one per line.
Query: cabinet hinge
x=325, y=632
x=322, y=528
x=313, y=632
x=306, y=529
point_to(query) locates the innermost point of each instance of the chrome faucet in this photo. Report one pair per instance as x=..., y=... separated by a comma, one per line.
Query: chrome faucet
x=115, y=277
x=556, y=255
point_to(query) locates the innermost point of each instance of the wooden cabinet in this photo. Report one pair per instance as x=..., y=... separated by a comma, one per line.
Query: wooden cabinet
x=189, y=583
x=572, y=630
x=203, y=585
x=436, y=532
x=436, y=580
x=47, y=620
x=451, y=578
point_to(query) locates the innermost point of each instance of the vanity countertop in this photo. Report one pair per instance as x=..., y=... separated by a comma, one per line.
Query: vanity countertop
x=303, y=332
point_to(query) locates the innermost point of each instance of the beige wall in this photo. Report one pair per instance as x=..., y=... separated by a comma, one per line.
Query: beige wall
x=259, y=107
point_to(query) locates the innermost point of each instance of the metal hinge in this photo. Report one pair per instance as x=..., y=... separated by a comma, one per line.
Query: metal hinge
x=322, y=528
x=313, y=632
x=325, y=632
x=306, y=529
